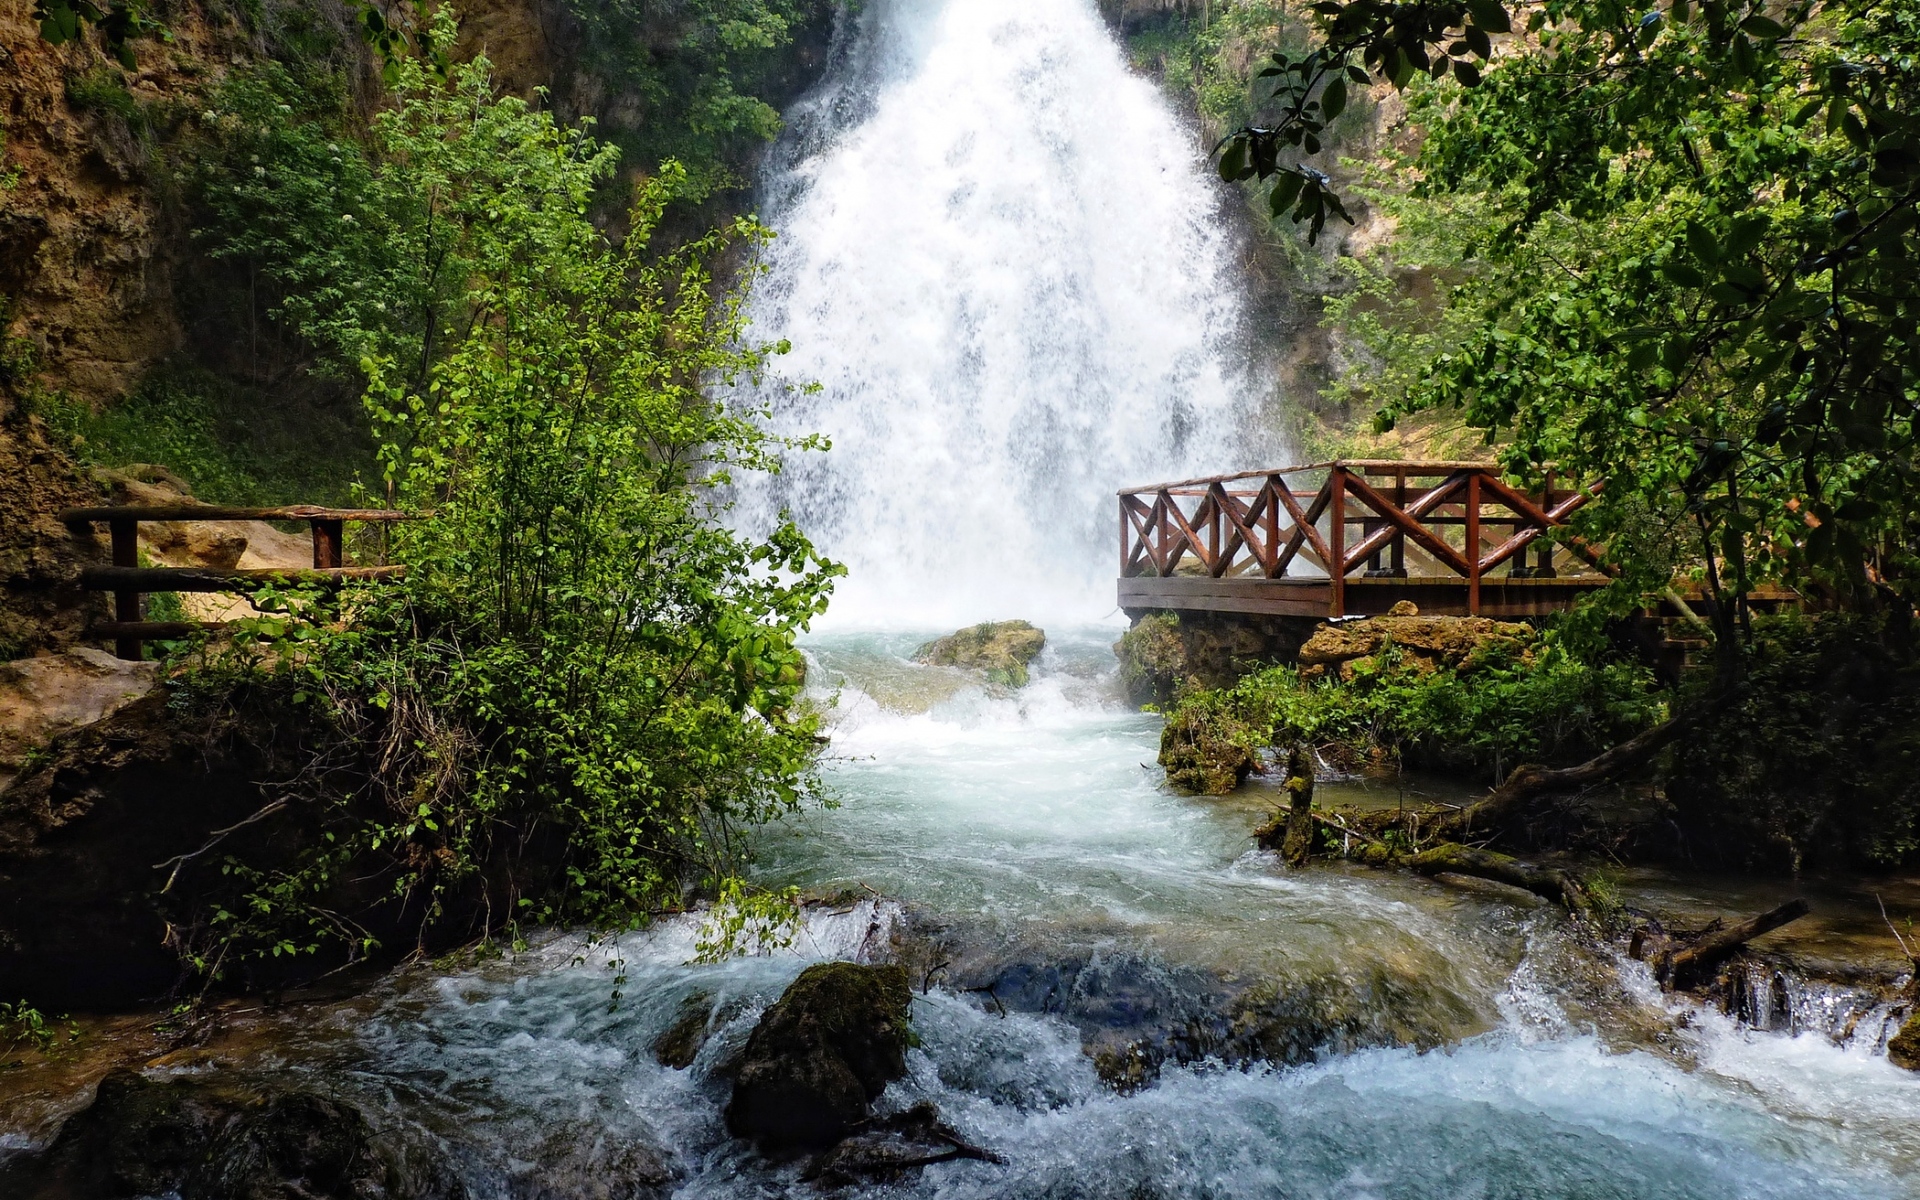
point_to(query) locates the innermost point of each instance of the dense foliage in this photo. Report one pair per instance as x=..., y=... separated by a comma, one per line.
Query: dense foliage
x=587, y=685
x=1489, y=715
x=701, y=71
x=1816, y=761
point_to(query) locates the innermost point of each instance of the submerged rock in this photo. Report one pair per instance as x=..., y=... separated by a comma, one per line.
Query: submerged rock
x=821, y=1055
x=883, y=1151
x=210, y=1139
x=1002, y=649
x=1425, y=643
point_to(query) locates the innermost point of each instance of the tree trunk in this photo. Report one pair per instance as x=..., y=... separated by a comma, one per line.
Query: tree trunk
x=1299, y=839
x=1548, y=882
x=1683, y=967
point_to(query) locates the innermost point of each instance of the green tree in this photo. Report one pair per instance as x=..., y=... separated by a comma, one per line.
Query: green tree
x=1696, y=225
x=587, y=686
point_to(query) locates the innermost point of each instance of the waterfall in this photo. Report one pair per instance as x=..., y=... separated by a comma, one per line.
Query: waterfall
x=1003, y=261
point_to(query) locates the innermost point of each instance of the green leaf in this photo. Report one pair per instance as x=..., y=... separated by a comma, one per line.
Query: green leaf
x=1490, y=15
x=1333, y=100
x=1233, y=160
x=1763, y=27
x=1285, y=189
x=1682, y=274
x=1466, y=72
x=1701, y=241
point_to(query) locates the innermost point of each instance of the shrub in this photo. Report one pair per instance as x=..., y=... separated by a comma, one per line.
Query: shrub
x=1494, y=712
x=1815, y=757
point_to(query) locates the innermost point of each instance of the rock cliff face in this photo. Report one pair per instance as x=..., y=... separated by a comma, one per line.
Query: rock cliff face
x=98, y=271
x=42, y=607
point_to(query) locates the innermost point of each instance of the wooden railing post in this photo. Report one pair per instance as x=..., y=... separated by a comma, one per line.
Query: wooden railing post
x=1473, y=544
x=1337, y=539
x=126, y=601
x=328, y=543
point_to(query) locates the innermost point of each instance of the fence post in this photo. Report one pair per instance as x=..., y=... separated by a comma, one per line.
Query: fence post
x=126, y=601
x=328, y=547
x=1473, y=544
x=1337, y=538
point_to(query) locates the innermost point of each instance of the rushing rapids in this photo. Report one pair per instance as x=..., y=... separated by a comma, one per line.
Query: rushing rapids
x=998, y=256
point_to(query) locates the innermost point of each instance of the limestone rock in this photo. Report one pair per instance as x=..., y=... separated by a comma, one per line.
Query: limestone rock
x=41, y=698
x=42, y=606
x=1903, y=1048
x=211, y=1139
x=1426, y=642
x=821, y=1055
x=1165, y=654
x=1002, y=649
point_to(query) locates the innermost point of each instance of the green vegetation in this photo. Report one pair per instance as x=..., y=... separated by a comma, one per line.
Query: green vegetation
x=1486, y=717
x=23, y=1027
x=1815, y=761
x=1682, y=240
x=231, y=443
x=702, y=71
x=587, y=686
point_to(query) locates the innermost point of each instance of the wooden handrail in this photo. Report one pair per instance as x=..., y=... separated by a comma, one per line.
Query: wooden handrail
x=127, y=580
x=1231, y=530
x=214, y=512
x=223, y=579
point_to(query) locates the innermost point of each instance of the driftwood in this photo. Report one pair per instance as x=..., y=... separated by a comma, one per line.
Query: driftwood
x=1680, y=968
x=1530, y=781
x=1548, y=882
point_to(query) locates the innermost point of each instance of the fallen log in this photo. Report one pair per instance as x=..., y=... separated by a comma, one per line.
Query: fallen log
x=1549, y=882
x=1530, y=781
x=1683, y=967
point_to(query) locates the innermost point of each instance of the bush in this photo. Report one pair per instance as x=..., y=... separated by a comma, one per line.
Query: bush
x=1493, y=713
x=1814, y=758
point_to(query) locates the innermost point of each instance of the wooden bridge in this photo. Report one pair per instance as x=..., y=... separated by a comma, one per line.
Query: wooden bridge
x=1354, y=537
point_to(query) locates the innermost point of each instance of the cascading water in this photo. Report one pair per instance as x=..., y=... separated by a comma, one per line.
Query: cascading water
x=1000, y=258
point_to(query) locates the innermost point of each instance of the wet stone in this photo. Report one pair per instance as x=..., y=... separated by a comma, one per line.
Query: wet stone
x=212, y=1139
x=1002, y=649
x=821, y=1055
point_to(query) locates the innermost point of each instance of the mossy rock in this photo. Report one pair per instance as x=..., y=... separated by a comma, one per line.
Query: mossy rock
x=1206, y=749
x=1002, y=649
x=211, y=1139
x=821, y=1055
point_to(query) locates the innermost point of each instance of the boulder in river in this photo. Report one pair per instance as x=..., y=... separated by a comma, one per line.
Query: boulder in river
x=1002, y=649
x=821, y=1055
x=213, y=1139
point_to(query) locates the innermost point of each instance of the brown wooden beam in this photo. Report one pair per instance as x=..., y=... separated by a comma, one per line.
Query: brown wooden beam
x=212, y=579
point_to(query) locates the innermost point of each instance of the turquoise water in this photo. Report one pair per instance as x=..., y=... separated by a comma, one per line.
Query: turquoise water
x=1466, y=1047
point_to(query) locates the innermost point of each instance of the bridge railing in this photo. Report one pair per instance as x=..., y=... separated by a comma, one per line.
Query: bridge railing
x=128, y=581
x=1325, y=521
